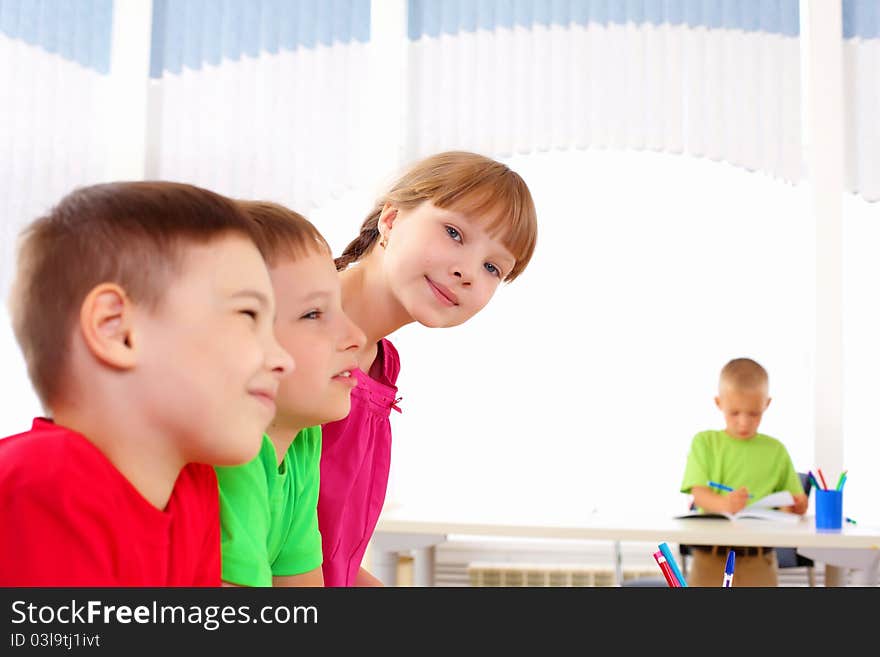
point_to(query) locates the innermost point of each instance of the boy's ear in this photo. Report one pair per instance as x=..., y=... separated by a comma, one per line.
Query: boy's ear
x=718, y=402
x=105, y=320
x=769, y=399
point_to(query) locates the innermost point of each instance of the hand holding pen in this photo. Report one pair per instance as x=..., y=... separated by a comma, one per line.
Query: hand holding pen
x=735, y=500
x=726, y=489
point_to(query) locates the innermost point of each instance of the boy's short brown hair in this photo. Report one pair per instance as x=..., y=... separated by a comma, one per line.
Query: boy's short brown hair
x=282, y=233
x=743, y=374
x=133, y=234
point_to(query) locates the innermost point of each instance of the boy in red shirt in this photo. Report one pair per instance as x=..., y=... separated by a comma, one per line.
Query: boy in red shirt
x=144, y=311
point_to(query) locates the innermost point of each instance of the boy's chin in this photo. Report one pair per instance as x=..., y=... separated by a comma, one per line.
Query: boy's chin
x=339, y=413
x=236, y=453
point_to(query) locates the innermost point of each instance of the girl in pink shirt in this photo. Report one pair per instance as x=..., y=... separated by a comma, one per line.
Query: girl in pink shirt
x=433, y=250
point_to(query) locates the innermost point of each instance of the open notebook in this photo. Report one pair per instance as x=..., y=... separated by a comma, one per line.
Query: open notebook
x=762, y=509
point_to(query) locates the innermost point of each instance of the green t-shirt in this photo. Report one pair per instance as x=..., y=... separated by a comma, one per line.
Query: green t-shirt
x=269, y=513
x=761, y=464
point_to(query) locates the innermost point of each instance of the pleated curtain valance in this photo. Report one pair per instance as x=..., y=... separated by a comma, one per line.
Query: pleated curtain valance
x=267, y=98
x=54, y=65
x=258, y=98
x=719, y=79
x=861, y=61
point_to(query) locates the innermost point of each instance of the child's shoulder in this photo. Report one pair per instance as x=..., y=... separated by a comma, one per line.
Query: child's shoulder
x=391, y=360
x=708, y=436
x=49, y=457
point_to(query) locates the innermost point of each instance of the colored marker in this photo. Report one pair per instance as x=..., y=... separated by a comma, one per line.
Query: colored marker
x=715, y=484
x=822, y=478
x=670, y=560
x=851, y=521
x=728, y=569
x=840, y=480
x=813, y=480
x=667, y=571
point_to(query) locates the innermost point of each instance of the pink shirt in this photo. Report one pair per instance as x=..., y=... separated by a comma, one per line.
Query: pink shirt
x=355, y=461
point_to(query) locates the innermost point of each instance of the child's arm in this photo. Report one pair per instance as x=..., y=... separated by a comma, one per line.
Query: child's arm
x=800, y=505
x=364, y=578
x=312, y=578
x=708, y=499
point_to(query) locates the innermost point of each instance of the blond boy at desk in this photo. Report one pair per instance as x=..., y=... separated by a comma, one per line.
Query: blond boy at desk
x=753, y=464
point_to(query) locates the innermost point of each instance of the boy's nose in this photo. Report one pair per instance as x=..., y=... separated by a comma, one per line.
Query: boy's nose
x=281, y=362
x=355, y=338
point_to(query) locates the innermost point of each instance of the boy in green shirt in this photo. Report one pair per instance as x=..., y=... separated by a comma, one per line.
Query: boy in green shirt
x=269, y=506
x=751, y=463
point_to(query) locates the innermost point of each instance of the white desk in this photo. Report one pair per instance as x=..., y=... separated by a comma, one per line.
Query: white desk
x=422, y=528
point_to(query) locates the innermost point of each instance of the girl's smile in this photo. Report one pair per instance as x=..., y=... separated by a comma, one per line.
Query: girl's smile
x=443, y=293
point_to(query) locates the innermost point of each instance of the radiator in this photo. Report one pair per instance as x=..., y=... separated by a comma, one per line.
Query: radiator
x=494, y=562
x=524, y=574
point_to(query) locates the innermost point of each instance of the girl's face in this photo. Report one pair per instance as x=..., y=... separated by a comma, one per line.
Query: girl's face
x=441, y=265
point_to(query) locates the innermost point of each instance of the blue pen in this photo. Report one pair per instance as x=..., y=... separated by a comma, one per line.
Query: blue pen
x=715, y=484
x=728, y=569
x=672, y=563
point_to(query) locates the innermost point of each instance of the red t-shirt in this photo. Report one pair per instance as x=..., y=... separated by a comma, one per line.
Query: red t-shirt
x=68, y=517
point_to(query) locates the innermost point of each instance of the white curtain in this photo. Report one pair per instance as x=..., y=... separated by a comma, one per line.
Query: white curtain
x=712, y=78
x=258, y=98
x=861, y=58
x=54, y=63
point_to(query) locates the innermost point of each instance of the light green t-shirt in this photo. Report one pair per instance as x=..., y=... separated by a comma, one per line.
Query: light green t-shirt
x=269, y=513
x=761, y=464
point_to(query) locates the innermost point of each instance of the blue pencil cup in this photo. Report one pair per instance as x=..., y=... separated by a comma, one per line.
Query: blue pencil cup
x=829, y=510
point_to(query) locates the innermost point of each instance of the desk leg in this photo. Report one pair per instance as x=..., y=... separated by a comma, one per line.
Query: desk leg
x=423, y=566
x=386, y=546
x=835, y=575
x=618, y=563
x=384, y=564
x=864, y=577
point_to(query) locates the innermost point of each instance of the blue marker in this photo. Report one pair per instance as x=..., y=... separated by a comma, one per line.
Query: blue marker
x=672, y=563
x=715, y=484
x=728, y=569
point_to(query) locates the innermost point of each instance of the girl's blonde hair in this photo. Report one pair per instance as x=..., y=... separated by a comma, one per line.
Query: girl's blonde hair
x=463, y=182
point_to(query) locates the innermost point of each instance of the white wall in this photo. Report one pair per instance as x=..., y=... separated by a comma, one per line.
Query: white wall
x=584, y=381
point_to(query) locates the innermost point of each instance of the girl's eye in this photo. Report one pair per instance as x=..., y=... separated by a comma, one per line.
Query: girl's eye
x=312, y=314
x=492, y=269
x=250, y=313
x=453, y=233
